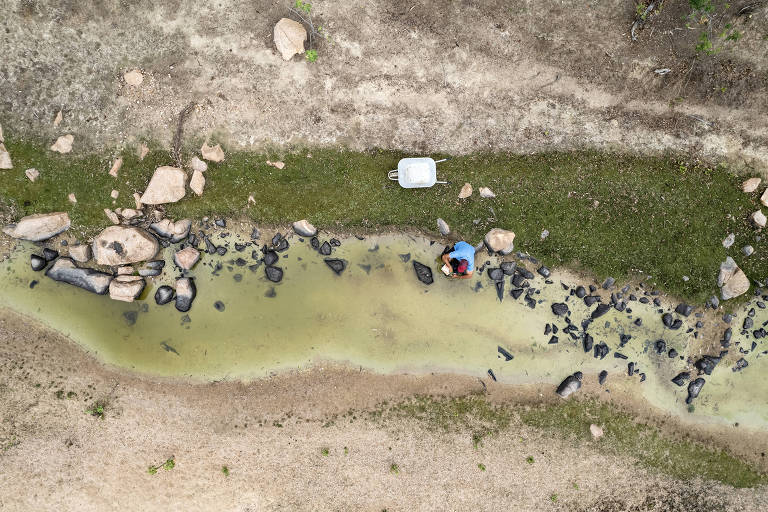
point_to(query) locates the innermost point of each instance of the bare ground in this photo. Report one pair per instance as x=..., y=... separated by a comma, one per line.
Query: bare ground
x=421, y=76
x=271, y=435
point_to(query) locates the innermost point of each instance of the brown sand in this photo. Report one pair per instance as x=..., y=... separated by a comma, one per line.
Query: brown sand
x=271, y=433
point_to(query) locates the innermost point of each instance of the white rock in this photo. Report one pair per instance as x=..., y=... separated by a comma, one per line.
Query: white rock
x=65, y=270
x=198, y=165
x=750, y=185
x=212, y=153
x=130, y=213
x=112, y=216
x=597, y=432
x=466, y=191
x=289, y=36
x=32, y=174
x=174, y=231
x=116, y=165
x=2, y=139
x=142, y=151
x=71, y=198
x=278, y=164
x=38, y=227
x=544, y=234
x=63, y=144
x=251, y=199
x=122, y=245
x=728, y=241
x=126, y=288
x=758, y=219
x=747, y=250
x=186, y=258
x=732, y=280
x=500, y=240
x=134, y=78
x=114, y=194
x=125, y=270
x=80, y=253
x=57, y=120
x=166, y=186
x=304, y=228
x=5, y=158
x=137, y=200
x=764, y=198
x=197, y=183
x=443, y=227
x=486, y=192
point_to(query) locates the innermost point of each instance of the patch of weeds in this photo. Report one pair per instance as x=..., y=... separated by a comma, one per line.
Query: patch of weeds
x=530, y=460
x=394, y=469
x=705, y=45
x=553, y=498
x=679, y=458
x=97, y=409
x=325, y=452
x=71, y=395
x=303, y=10
x=481, y=466
x=225, y=470
x=168, y=465
x=59, y=394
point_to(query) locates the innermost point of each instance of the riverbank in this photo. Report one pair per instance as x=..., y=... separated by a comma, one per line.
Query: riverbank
x=643, y=218
x=331, y=437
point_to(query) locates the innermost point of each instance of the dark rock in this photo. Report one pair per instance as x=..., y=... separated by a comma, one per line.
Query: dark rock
x=210, y=247
x=270, y=258
x=423, y=272
x=33, y=283
x=631, y=369
x=507, y=355
x=727, y=318
x=676, y=324
x=642, y=377
x=530, y=302
x=620, y=306
x=50, y=254
x=608, y=283
x=681, y=378
x=547, y=329
x=37, y=262
x=748, y=323
x=518, y=281
x=186, y=296
x=661, y=346
x=590, y=300
x=282, y=245
x=580, y=292
x=588, y=342
x=544, y=271
x=130, y=317
x=274, y=274
x=600, y=311
x=553, y=340
x=667, y=319
x=255, y=235
x=706, y=364
x=525, y=272
x=337, y=265
x=495, y=274
x=592, y=288
x=624, y=339
x=516, y=293
x=240, y=247
x=500, y=290
x=276, y=239
x=255, y=255
x=672, y=353
x=694, y=388
x=601, y=350
x=638, y=322
x=619, y=355
x=405, y=258
x=560, y=308
x=336, y=243
x=221, y=250
x=65, y=270
x=314, y=242
x=601, y=377
x=740, y=364
x=240, y=262
x=221, y=223
x=325, y=249
x=569, y=385
x=164, y=295
x=237, y=277
x=508, y=267
x=683, y=309
x=491, y=375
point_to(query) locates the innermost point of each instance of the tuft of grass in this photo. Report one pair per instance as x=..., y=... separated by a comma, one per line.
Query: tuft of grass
x=225, y=470
x=481, y=466
x=97, y=409
x=394, y=469
x=168, y=465
x=679, y=458
x=324, y=452
x=609, y=214
x=529, y=459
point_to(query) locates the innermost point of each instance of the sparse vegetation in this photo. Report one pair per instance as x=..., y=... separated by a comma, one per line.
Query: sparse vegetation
x=481, y=466
x=97, y=409
x=325, y=452
x=394, y=469
x=225, y=470
x=168, y=465
x=303, y=10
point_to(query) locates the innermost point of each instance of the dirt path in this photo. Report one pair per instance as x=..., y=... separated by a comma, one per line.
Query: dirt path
x=271, y=435
x=422, y=76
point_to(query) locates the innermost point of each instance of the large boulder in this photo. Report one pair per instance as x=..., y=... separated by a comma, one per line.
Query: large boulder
x=185, y=293
x=166, y=186
x=126, y=288
x=304, y=228
x=500, y=240
x=39, y=227
x=289, y=37
x=174, y=231
x=731, y=280
x=122, y=245
x=65, y=270
x=186, y=258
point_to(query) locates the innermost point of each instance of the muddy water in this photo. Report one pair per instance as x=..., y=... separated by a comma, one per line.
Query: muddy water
x=375, y=315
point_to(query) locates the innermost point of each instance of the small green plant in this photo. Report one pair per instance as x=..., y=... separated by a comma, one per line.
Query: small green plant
x=553, y=498
x=481, y=466
x=705, y=45
x=346, y=451
x=225, y=470
x=96, y=410
x=303, y=6
x=575, y=486
x=701, y=5
x=168, y=465
x=311, y=55
x=734, y=36
x=303, y=10
x=325, y=452
x=394, y=469
x=529, y=460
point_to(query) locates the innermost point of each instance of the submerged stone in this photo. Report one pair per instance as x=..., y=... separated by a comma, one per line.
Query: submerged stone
x=37, y=262
x=65, y=270
x=164, y=295
x=270, y=258
x=336, y=264
x=274, y=274
x=325, y=249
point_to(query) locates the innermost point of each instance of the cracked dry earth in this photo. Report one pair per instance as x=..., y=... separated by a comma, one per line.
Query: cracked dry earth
x=420, y=76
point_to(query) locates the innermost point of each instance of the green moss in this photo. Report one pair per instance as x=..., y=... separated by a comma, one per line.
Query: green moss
x=610, y=214
x=683, y=459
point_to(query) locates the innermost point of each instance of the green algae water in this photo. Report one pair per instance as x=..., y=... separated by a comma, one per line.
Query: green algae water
x=376, y=315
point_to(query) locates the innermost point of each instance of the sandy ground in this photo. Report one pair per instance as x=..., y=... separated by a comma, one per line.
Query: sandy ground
x=414, y=75
x=271, y=433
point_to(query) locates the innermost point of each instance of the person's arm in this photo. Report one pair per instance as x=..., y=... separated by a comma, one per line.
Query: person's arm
x=464, y=276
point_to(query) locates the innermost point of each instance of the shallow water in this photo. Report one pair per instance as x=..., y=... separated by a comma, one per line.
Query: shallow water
x=375, y=315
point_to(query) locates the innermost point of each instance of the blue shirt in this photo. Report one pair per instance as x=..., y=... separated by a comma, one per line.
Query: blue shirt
x=464, y=251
